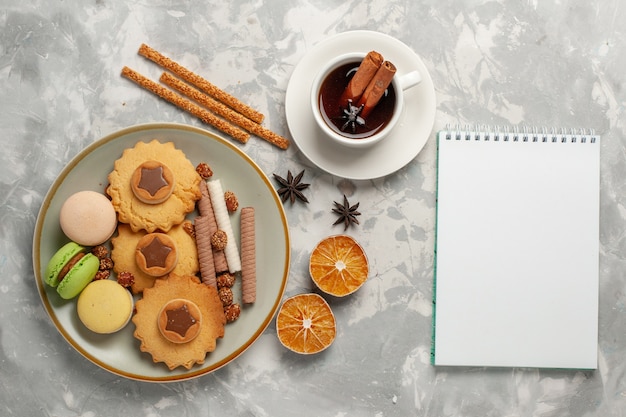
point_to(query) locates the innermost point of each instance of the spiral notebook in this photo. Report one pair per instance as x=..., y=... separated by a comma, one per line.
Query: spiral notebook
x=517, y=242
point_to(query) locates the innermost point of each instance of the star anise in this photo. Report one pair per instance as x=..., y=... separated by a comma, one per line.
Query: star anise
x=292, y=187
x=347, y=214
x=351, y=116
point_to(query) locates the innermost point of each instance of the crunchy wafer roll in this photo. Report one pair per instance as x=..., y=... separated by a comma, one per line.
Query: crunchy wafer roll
x=205, y=207
x=201, y=83
x=186, y=105
x=224, y=111
x=205, y=252
x=223, y=222
x=248, y=255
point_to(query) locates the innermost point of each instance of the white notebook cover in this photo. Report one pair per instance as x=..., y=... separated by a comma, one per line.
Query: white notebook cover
x=517, y=250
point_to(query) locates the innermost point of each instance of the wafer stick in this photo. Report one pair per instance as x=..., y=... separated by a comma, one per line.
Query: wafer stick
x=205, y=206
x=201, y=83
x=223, y=222
x=205, y=252
x=248, y=255
x=224, y=111
x=187, y=105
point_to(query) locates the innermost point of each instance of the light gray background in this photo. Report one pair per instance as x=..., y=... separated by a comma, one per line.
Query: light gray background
x=543, y=63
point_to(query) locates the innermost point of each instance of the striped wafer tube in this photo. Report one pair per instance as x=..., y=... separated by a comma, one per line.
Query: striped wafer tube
x=248, y=255
x=205, y=252
x=223, y=223
x=205, y=208
x=219, y=257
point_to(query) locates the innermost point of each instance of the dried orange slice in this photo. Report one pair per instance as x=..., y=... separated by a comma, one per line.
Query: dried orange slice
x=338, y=265
x=306, y=324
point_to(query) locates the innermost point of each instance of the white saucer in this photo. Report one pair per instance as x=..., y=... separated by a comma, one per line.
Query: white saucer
x=389, y=155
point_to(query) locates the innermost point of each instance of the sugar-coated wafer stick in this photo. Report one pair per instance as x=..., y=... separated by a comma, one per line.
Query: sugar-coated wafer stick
x=224, y=111
x=223, y=223
x=205, y=207
x=187, y=105
x=204, y=85
x=205, y=252
x=248, y=255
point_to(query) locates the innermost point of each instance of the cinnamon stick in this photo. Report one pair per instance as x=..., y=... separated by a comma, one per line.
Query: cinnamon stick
x=201, y=83
x=364, y=74
x=224, y=111
x=187, y=105
x=376, y=88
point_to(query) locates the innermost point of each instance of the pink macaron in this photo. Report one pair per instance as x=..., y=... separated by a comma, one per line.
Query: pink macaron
x=88, y=218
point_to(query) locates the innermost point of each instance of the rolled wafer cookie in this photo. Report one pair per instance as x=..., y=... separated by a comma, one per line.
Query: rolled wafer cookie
x=223, y=222
x=248, y=255
x=205, y=208
x=205, y=251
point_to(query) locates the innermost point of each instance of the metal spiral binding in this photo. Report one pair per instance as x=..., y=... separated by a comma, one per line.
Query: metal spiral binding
x=498, y=133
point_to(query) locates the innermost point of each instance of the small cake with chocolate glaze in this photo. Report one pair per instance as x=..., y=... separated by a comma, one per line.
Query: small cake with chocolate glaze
x=180, y=320
x=177, y=295
x=152, y=182
x=156, y=254
x=153, y=186
x=125, y=255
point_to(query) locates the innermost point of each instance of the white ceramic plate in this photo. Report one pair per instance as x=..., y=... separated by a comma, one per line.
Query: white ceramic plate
x=389, y=155
x=119, y=353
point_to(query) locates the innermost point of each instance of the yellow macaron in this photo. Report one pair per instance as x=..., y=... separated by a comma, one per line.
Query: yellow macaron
x=105, y=306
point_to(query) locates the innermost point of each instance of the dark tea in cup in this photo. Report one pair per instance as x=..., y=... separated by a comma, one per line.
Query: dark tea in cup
x=357, y=98
x=344, y=117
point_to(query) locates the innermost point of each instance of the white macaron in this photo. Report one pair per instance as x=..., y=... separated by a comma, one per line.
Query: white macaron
x=88, y=218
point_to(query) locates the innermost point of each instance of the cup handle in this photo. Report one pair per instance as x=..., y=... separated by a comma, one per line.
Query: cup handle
x=409, y=80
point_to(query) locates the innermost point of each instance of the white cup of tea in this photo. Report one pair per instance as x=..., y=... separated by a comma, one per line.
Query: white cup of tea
x=341, y=122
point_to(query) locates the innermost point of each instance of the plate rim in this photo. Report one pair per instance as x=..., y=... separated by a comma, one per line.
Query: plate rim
x=36, y=251
x=337, y=171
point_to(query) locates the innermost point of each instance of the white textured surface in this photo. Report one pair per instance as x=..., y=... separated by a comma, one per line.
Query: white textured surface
x=549, y=63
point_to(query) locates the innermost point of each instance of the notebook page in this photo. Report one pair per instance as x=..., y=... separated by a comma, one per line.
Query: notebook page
x=517, y=254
